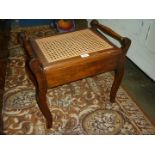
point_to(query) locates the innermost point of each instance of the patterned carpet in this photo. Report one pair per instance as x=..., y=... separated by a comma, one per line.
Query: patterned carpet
x=81, y=107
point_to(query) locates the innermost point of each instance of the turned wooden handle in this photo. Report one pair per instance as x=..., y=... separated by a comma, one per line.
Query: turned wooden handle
x=22, y=37
x=24, y=41
x=125, y=42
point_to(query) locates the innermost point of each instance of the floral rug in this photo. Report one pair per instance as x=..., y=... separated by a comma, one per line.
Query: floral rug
x=78, y=108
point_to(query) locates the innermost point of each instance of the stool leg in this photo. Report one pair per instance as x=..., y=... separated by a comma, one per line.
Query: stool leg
x=41, y=90
x=117, y=81
x=29, y=73
x=41, y=95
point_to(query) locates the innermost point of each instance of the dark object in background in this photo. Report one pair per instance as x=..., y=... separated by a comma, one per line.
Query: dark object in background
x=30, y=22
x=24, y=23
x=64, y=25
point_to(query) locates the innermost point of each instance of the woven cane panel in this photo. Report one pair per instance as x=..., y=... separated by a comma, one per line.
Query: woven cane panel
x=70, y=45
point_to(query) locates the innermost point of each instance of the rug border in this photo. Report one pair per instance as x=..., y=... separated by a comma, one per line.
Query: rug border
x=136, y=102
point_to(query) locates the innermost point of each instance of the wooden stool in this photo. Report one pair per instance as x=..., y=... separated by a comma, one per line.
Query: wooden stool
x=63, y=58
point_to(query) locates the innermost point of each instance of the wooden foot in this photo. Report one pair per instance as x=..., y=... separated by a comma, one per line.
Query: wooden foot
x=41, y=90
x=41, y=96
x=117, y=81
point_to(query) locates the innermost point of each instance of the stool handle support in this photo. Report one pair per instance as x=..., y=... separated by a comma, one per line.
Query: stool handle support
x=125, y=42
x=24, y=41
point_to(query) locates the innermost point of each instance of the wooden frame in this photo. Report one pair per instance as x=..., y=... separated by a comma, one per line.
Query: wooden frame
x=47, y=75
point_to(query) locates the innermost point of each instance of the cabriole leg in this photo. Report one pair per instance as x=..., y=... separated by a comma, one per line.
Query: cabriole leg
x=41, y=90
